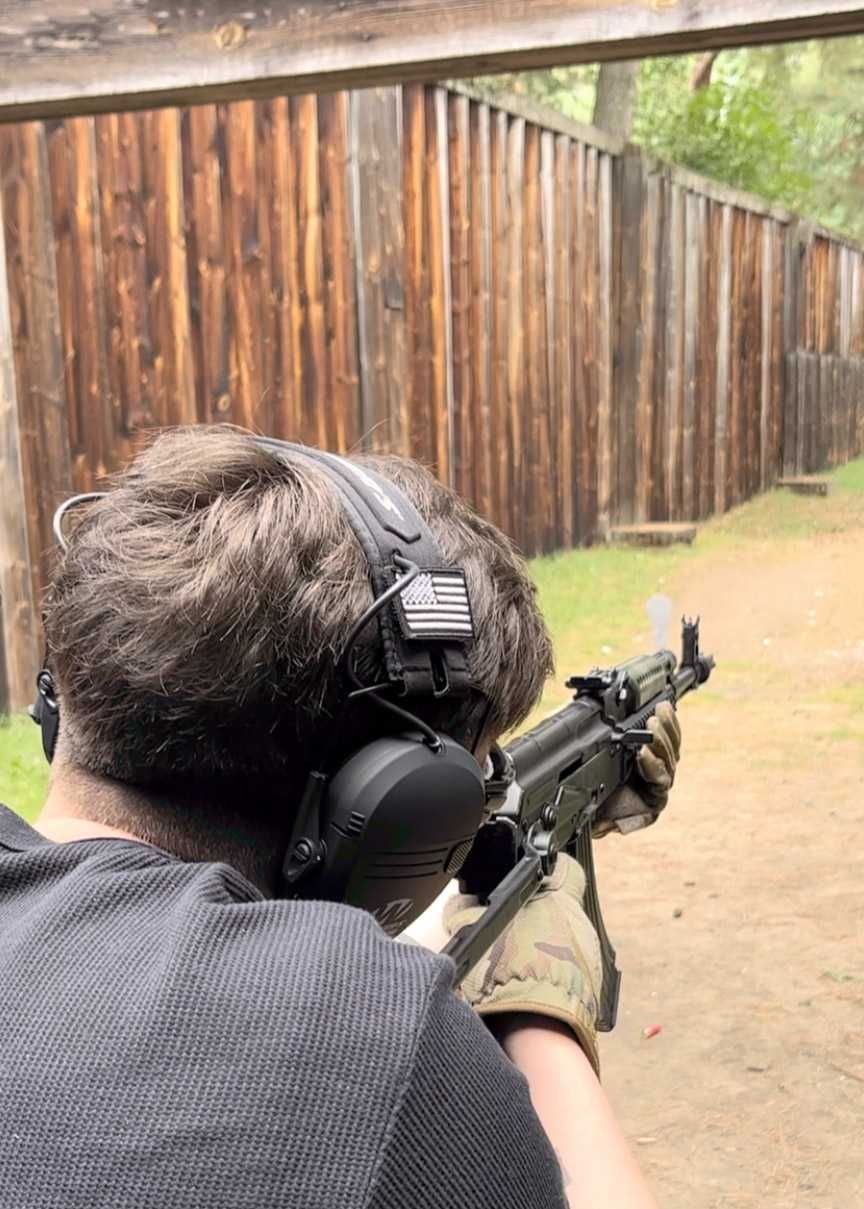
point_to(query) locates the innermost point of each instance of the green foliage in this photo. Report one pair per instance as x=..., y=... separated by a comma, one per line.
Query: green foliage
x=738, y=129
x=785, y=122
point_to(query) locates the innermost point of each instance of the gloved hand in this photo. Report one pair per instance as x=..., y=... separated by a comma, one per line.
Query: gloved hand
x=547, y=962
x=639, y=802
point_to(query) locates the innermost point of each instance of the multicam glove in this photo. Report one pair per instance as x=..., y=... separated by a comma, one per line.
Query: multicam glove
x=638, y=803
x=546, y=963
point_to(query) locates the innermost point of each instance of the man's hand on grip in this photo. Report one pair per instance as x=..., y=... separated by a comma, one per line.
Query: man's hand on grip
x=639, y=802
x=547, y=963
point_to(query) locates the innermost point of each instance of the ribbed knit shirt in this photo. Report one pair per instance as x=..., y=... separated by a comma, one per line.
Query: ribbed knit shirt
x=174, y=1040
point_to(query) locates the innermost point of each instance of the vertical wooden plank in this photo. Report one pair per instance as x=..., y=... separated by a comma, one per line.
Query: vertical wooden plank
x=604, y=351
x=658, y=450
x=792, y=308
x=81, y=283
x=647, y=351
x=581, y=256
x=340, y=266
x=132, y=340
x=724, y=282
x=735, y=450
x=532, y=308
x=587, y=237
x=167, y=276
x=422, y=421
x=695, y=234
x=459, y=169
x=376, y=134
x=206, y=239
x=675, y=346
x=516, y=328
x=19, y=630
x=629, y=332
x=288, y=419
x=37, y=338
x=501, y=464
x=315, y=365
x=563, y=270
x=440, y=296
x=766, y=269
x=485, y=437
x=549, y=236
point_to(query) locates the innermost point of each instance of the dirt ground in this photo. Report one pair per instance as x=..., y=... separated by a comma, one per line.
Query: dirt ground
x=738, y=919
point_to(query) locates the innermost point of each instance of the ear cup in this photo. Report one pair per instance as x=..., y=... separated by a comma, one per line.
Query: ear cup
x=400, y=821
x=45, y=711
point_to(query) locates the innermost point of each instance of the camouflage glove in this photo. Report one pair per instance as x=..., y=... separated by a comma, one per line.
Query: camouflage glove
x=639, y=802
x=547, y=962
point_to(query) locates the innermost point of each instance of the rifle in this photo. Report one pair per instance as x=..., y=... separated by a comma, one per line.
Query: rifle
x=548, y=786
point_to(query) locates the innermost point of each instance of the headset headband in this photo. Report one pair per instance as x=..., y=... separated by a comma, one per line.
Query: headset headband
x=427, y=627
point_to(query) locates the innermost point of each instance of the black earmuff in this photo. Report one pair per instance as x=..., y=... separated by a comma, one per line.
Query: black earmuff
x=46, y=712
x=399, y=821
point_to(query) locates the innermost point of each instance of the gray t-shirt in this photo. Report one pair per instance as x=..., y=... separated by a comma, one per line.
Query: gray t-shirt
x=174, y=1039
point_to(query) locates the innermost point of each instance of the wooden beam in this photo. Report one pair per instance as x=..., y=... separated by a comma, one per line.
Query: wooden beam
x=59, y=59
x=18, y=629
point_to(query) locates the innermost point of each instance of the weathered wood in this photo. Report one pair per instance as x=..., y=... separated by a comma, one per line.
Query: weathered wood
x=628, y=338
x=208, y=288
x=549, y=239
x=675, y=350
x=43, y=424
x=516, y=327
x=533, y=437
x=563, y=347
x=440, y=310
x=121, y=55
x=460, y=283
x=724, y=306
x=605, y=354
x=19, y=628
x=695, y=237
x=657, y=533
x=173, y=377
x=500, y=219
x=341, y=278
x=376, y=137
x=806, y=485
x=485, y=438
x=315, y=366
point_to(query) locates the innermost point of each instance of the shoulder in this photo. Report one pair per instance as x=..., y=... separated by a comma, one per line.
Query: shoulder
x=464, y=1132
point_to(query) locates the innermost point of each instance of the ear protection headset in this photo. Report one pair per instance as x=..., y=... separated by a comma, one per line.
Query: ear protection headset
x=390, y=826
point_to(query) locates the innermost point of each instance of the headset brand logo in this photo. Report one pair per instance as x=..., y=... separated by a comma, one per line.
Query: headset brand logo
x=395, y=915
x=377, y=490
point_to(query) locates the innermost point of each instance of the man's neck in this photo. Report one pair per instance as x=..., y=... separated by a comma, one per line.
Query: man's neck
x=81, y=806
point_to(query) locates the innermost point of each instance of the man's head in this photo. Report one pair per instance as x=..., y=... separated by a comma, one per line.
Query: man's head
x=195, y=624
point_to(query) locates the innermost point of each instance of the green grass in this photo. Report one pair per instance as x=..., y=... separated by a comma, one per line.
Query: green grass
x=593, y=601
x=23, y=770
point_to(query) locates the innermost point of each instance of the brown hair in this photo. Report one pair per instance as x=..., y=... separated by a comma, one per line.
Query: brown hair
x=195, y=622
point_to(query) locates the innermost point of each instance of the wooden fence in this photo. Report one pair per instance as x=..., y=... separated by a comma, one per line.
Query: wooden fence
x=571, y=334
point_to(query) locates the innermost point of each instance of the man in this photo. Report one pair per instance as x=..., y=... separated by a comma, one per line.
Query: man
x=179, y=1035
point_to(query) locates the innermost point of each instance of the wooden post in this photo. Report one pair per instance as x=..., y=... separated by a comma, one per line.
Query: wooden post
x=19, y=625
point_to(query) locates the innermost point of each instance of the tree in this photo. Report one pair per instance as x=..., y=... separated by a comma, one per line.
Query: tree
x=615, y=100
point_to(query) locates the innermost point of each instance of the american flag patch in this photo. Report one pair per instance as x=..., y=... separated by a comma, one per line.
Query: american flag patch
x=436, y=605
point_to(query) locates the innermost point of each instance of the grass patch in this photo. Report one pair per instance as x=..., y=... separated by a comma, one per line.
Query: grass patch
x=850, y=477
x=23, y=770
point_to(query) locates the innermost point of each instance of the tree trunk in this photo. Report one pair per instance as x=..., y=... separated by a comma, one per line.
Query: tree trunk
x=615, y=100
x=700, y=77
